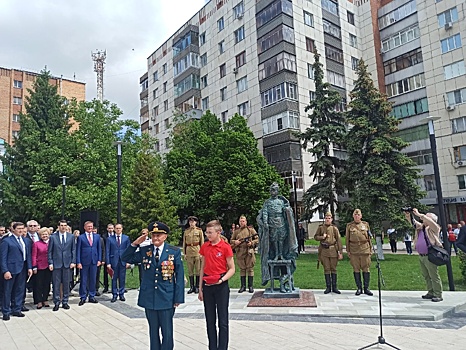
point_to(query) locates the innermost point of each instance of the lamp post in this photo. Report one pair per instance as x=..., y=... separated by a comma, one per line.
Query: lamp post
x=293, y=173
x=438, y=185
x=118, y=144
x=63, y=196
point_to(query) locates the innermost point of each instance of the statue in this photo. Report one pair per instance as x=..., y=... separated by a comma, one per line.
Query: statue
x=278, y=242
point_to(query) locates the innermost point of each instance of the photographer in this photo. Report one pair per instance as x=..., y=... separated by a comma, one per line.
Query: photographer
x=427, y=231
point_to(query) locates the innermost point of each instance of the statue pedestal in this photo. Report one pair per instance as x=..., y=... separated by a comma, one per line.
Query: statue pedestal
x=281, y=270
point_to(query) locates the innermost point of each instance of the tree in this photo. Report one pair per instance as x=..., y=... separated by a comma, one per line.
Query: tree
x=145, y=199
x=379, y=178
x=327, y=128
x=217, y=172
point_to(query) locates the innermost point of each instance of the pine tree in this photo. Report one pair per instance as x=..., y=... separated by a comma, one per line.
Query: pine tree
x=326, y=129
x=379, y=178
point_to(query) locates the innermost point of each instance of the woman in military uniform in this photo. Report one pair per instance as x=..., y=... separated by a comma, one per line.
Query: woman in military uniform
x=193, y=238
x=359, y=249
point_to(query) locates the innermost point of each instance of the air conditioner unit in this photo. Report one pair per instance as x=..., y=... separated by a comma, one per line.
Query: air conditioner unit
x=450, y=108
x=448, y=25
x=240, y=15
x=235, y=70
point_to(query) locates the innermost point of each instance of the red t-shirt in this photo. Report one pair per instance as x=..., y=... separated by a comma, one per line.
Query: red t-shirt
x=215, y=257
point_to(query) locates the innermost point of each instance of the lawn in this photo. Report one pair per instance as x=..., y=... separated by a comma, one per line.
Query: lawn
x=400, y=272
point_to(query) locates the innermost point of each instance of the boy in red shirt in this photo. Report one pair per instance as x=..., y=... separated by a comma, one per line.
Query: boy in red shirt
x=217, y=267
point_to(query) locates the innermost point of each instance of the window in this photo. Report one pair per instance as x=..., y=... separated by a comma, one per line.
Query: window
x=156, y=76
x=238, y=10
x=460, y=153
x=404, y=61
x=350, y=17
x=281, y=33
x=456, y=97
x=202, y=39
x=454, y=70
x=421, y=157
x=189, y=60
x=243, y=109
x=354, y=63
x=405, y=85
x=458, y=125
x=239, y=35
x=16, y=118
x=411, y=108
x=416, y=133
x=310, y=71
x=223, y=93
x=17, y=100
x=333, y=53
x=15, y=134
x=284, y=120
x=166, y=123
x=451, y=43
x=220, y=24
x=144, y=85
x=165, y=87
x=155, y=111
x=224, y=117
x=155, y=93
x=312, y=95
x=272, y=11
x=204, y=81
x=283, y=61
x=164, y=68
x=221, y=46
x=450, y=15
x=308, y=19
x=165, y=105
x=184, y=42
x=400, y=38
x=190, y=82
x=18, y=84
x=429, y=183
x=205, y=103
x=330, y=6
x=331, y=29
x=242, y=84
x=240, y=59
x=279, y=92
x=204, y=60
x=353, y=41
x=398, y=14
x=157, y=146
x=223, y=70
x=335, y=79
x=310, y=45
x=462, y=182
x=157, y=128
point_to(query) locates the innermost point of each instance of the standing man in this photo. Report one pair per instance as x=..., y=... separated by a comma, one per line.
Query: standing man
x=461, y=240
x=62, y=259
x=244, y=241
x=88, y=257
x=97, y=275
x=329, y=252
x=33, y=235
x=16, y=266
x=301, y=238
x=110, y=232
x=116, y=245
x=217, y=267
x=391, y=233
x=162, y=288
x=359, y=249
x=192, y=240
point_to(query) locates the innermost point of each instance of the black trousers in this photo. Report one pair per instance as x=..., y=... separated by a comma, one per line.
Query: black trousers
x=216, y=299
x=301, y=245
x=42, y=285
x=160, y=321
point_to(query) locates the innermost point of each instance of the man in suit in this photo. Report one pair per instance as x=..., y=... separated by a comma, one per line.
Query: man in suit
x=162, y=288
x=2, y=234
x=461, y=240
x=32, y=234
x=115, y=247
x=88, y=257
x=16, y=265
x=105, y=235
x=62, y=259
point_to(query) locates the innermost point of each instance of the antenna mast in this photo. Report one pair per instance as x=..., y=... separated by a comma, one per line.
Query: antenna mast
x=99, y=67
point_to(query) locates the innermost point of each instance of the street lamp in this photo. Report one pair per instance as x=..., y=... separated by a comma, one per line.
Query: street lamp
x=118, y=144
x=438, y=185
x=63, y=196
x=293, y=173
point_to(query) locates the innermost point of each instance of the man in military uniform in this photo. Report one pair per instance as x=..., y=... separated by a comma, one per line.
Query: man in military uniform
x=162, y=287
x=359, y=249
x=330, y=251
x=192, y=240
x=243, y=242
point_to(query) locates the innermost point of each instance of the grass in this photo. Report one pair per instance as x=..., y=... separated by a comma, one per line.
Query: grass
x=400, y=272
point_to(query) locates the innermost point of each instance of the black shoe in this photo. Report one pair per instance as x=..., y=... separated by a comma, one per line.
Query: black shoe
x=55, y=308
x=18, y=314
x=66, y=306
x=97, y=294
x=24, y=309
x=122, y=298
x=437, y=299
x=93, y=300
x=368, y=292
x=358, y=292
x=6, y=317
x=242, y=289
x=105, y=290
x=113, y=299
x=82, y=302
x=191, y=283
x=328, y=283
x=251, y=290
x=427, y=296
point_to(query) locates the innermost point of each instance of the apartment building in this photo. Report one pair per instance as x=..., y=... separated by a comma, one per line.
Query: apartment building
x=14, y=85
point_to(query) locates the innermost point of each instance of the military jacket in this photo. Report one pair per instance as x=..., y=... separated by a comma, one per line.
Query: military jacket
x=193, y=238
x=358, y=241
x=242, y=233
x=331, y=245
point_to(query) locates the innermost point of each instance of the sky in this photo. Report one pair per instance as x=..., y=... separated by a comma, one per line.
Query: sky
x=62, y=34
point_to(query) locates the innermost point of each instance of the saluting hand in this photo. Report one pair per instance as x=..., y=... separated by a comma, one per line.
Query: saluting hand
x=141, y=238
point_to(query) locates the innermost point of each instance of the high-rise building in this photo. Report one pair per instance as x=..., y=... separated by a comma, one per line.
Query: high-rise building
x=254, y=57
x=14, y=85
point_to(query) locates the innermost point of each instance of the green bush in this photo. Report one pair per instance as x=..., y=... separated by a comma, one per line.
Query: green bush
x=462, y=257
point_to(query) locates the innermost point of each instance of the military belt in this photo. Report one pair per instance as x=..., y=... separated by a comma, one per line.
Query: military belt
x=192, y=244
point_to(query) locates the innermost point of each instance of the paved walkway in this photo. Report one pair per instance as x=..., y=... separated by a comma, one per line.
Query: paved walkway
x=339, y=322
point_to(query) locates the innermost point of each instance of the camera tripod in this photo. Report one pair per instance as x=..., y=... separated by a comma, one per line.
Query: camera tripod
x=380, y=282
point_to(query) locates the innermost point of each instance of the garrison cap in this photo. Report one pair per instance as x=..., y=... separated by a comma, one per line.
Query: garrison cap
x=328, y=214
x=158, y=227
x=193, y=218
x=357, y=211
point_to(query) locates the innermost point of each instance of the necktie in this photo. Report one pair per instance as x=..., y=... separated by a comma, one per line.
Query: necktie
x=157, y=254
x=21, y=244
x=89, y=238
x=62, y=239
x=118, y=240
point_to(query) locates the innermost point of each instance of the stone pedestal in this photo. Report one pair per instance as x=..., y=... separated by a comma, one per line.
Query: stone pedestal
x=281, y=270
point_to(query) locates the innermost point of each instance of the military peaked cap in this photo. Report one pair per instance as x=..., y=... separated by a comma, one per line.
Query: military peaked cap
x=158, y=227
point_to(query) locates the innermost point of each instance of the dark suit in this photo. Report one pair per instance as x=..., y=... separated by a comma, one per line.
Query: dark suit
x=158, y=294
x=61, y=256
x=31, y=285
x=105, y=236
x=113, y=254
x=12, y=260
x=88, y=255
x=461, y=240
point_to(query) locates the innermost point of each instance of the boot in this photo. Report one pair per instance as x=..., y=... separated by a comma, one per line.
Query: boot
x=196, y=285
x=243, y=284
x=250, y=284
x=191, y=282
x=328, y=282
x=367, y=280
x=334, y=284
x=357, y=279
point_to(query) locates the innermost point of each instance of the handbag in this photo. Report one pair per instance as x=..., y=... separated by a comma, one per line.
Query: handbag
x=436, y=255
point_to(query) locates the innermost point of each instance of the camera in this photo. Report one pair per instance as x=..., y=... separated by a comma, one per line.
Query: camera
x=408, y=209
